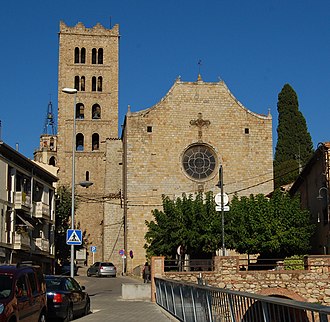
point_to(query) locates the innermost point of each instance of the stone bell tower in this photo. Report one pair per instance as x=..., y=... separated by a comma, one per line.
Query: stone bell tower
x=88, y=62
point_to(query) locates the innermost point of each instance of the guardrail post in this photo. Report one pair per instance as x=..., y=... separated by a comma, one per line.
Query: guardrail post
x=157, y=270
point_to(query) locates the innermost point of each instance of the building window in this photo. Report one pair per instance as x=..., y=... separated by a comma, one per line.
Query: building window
x=95, y=142
x=76, y=55
x=96, y=111
x=52, y=161
x=79, y=55
x=99, y=84
x=82, y=83
x=79, y=83
x=83, y=55
x=79, y=142
x=199, y=161
x=100, y=56
x=247, y=130
x=80, y=111
x=94, y=56
x=76, y=82
x=93, y=84
x=87, y=175
x=149, y=129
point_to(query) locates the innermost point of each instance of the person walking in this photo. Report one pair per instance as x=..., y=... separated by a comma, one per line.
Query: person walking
x=146, y=273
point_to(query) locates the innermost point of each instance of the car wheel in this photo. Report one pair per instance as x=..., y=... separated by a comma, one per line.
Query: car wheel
x=87, y=307
x=42, y=317
x=69, y=315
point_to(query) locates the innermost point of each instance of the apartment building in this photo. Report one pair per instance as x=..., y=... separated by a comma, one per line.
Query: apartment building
x=27, y=210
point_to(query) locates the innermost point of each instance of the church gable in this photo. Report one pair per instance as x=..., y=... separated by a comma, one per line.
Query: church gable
x=199, y=116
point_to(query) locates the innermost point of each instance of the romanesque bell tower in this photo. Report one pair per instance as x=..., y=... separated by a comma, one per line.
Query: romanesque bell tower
x=88, y=62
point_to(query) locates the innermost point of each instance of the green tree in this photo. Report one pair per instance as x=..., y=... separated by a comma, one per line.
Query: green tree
x=189, y=222
x=63, y=223
x=294, y=144
x=274, y=228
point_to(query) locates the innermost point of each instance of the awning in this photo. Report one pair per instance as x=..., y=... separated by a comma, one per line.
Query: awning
x=26, y=222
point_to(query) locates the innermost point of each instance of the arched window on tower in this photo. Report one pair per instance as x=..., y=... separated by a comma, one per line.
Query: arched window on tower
x=79, y=142
x=94, y=56
x=100, y=56
x=52, y=161
x=80, y=111
x=76, y=55
x=82, y=83
x=76, y=82
x=87, y=176
x=99, y=84
x=83, y=55
x=93, y=84
x=95, y=142
x=51, y=143
x=96, y=111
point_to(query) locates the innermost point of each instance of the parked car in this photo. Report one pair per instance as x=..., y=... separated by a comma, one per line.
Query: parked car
x=66, y=299
x=22, y=293
x=102, y=269
x=66, y=269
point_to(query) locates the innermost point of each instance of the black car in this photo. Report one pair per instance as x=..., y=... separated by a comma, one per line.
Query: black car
x=22, y=293
x=66, y=299
x=66, y=269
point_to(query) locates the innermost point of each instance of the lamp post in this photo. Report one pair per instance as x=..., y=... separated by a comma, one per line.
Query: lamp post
x=72, y=91
x=220, y=185
x=327, y=201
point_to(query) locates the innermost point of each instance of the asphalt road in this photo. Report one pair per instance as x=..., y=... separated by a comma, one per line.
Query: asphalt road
x=107, y=304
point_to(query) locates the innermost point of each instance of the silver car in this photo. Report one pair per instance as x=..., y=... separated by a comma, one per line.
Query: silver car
x=102, y=269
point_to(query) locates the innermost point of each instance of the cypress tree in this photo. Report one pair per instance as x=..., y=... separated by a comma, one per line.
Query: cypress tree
x=294, y=144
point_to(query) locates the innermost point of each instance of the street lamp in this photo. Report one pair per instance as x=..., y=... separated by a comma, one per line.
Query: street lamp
x=327, y=201
x=220, y=185
x=322, y=188
x=72, y=91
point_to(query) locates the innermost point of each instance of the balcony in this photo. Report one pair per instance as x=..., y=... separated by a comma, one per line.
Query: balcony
x=41, y=210
x=21, y=240
x=42, y=244
x=22, y=201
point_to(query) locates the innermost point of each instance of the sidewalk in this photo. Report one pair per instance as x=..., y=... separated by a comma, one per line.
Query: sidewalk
x=114, y=308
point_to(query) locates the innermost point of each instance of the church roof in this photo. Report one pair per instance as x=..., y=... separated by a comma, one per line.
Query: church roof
x=219, y=86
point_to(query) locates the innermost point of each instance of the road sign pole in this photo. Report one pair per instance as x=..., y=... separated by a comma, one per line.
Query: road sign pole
x=93, y=257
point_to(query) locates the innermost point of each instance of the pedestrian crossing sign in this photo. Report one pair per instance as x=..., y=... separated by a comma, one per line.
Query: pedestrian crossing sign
x=73, y=237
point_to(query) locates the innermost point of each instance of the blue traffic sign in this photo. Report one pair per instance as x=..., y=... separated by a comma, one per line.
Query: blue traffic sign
x=93, y=249
x=74, y=237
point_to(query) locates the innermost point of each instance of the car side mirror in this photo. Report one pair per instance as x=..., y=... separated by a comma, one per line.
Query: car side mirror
x=83, y=288
x=19, y=292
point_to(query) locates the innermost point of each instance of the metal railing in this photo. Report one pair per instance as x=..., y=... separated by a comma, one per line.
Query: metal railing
x=199, y=303
x=188, y=265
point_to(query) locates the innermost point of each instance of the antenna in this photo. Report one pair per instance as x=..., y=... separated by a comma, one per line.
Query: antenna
x=49, y=127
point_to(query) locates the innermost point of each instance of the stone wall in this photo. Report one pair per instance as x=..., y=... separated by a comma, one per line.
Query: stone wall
x=310, y=285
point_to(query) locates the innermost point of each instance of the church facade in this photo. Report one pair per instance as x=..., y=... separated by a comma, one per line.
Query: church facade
x=173, y=147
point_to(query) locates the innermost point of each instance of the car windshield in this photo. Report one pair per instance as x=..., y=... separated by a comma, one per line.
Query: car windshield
x=6, y=285
x=107, y=264
x=54, y=284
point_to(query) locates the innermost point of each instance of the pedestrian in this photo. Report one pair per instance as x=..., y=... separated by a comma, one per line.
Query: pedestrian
x=146, y=273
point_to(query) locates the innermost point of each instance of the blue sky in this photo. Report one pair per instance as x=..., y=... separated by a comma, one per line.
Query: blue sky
x=255, y=46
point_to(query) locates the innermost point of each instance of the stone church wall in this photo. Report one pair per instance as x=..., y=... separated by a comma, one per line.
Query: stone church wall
x=192, y=113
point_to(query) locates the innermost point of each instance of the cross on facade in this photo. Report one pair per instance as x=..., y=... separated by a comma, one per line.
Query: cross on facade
x=200, y=123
